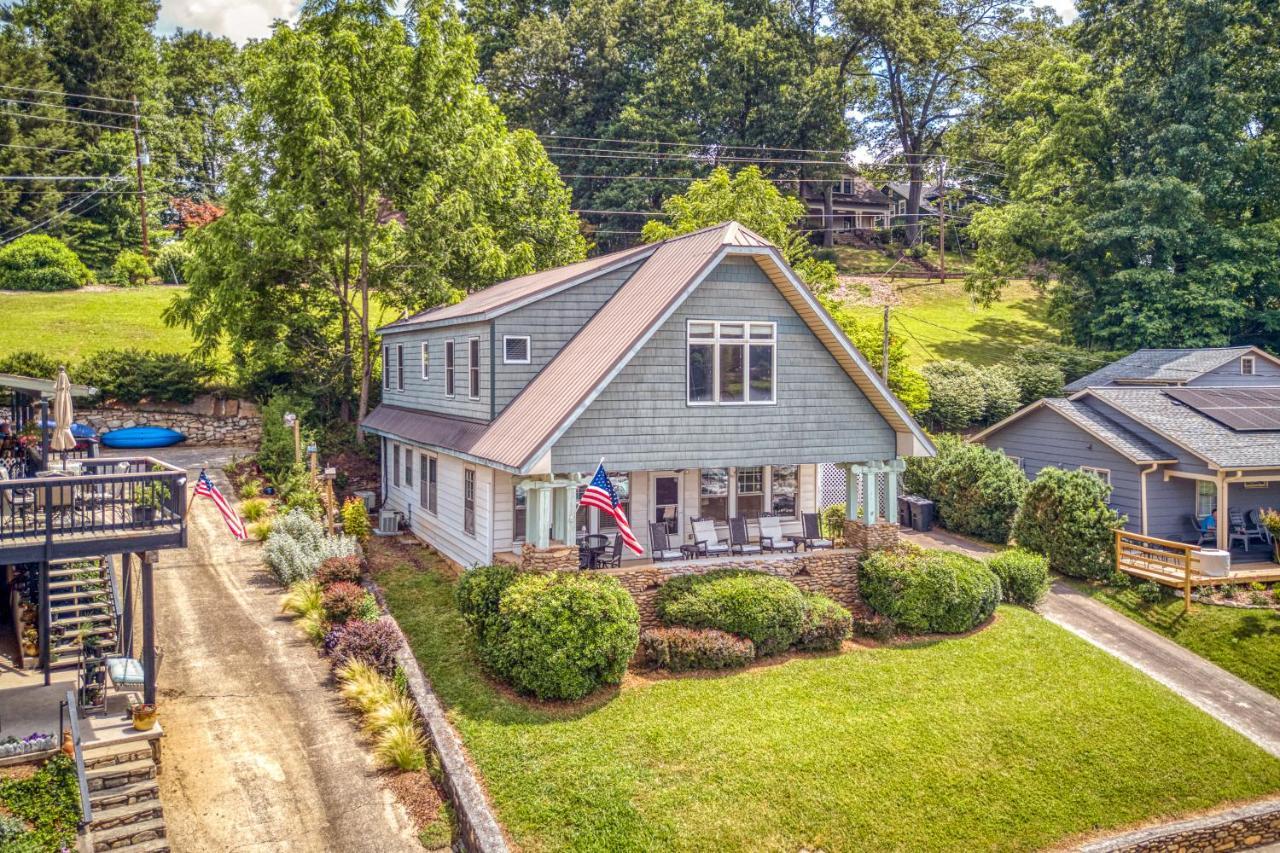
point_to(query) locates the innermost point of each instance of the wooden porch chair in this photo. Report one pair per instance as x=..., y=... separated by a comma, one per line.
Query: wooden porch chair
x=660, y=545
x=812, y=536
x=706, y=540
x=1253, y=519
x=739, y=541
x=1242, y=532
x=771, y=536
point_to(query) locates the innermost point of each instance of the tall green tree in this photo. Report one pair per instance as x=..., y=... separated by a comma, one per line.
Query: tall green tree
x=367, y=158
x=201, y=91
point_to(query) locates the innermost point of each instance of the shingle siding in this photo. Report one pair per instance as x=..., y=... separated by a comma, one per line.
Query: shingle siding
x=428, y=394
x=641, y=419
x=1265, y=373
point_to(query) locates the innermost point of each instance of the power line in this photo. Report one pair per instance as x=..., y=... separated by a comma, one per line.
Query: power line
x=57, y=178
x=66, y=94
x=57, y=214
x=64, y=107
x=60, y=120
x=62, y=150
x=919, y=343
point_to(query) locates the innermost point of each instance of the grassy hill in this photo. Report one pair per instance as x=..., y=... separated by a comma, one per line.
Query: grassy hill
x=939, y=321
x=71, y=324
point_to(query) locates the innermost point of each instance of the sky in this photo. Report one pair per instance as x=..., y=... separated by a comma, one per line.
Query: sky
x=241, y=20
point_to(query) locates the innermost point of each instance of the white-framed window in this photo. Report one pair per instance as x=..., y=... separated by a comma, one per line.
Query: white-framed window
x=1016, y=460
x=1247, y=365
x=713, y=494
x=622, y=485
x=749, y=491
x=386, y=367
x=469, y=501
x=448, y=368
x=408, y=467
x=1103, y=474
x=1206, y=498
x=519, y=512
x=731, y=363
x=427, y=468
x=515, y=349
x=784, y=483
x=473, y=368
x=395, y=464
x=426, y=361
x=399, y=367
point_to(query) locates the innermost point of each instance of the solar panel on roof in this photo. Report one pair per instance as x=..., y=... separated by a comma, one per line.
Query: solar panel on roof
x=1239, y=409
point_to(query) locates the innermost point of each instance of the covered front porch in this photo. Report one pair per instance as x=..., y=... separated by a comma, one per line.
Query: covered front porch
x=545, y=513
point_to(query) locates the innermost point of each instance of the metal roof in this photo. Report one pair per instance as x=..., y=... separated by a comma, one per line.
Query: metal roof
x=447, y=433
x=1162, y=366
x=509, y=295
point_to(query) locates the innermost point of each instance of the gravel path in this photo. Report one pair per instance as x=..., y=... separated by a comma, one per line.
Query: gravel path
x=259, y=754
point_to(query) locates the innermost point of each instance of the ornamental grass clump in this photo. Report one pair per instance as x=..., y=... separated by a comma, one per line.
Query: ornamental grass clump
x=397, y=710
x=255, y=509
x=363, y=687
x=767, y=610
x=304, y=597
x=401, y=746
x=923, y=592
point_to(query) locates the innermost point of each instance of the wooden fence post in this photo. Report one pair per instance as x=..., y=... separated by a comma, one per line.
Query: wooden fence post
x=1186, y=585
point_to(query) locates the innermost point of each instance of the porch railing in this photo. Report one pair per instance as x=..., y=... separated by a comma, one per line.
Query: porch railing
x=108, y=496
x=1161, y=560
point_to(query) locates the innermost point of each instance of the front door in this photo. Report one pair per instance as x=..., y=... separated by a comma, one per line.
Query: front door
x=665, y=489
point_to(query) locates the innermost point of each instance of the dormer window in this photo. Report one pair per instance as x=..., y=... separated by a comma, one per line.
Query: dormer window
x=515, y=349
x=1246, y=365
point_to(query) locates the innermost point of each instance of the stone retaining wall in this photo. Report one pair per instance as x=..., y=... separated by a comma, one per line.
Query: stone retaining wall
x=207, y=421
x=557, y=558
x=1244, y=828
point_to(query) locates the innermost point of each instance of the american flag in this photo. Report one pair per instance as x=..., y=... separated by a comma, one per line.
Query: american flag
x=601, y=495
x=206, y=489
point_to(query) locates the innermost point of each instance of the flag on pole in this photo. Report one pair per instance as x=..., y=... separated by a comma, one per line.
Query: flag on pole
x=601, y=495
x=206, y=489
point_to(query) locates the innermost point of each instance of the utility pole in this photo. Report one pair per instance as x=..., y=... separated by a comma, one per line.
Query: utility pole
x=942, y=217
x=884, y=353
x=140, y=159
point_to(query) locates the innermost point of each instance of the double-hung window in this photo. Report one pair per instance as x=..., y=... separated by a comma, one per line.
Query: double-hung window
x=1206, y=498
x=408, y=467
x=750, y=491
x=386, y=367
x=782, y=490
x=469, y=501
x=1247, y=365
x=1103, y=474
x=399, y=367
x=713, y=494
x=448, y=368
x=519, y=512
x=731, y=363
x=473, y=368
x=426, y=361
x=427, y=482
x=395, y=464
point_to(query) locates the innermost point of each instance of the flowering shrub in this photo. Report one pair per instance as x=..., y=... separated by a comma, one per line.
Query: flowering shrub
x=683, y=649
x=374, y=643
x=342, y=600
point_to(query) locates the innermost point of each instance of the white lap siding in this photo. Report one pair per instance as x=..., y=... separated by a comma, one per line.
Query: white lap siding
x=444, y=530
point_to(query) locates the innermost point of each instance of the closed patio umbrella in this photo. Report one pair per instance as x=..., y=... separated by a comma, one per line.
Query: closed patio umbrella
x=62, y=439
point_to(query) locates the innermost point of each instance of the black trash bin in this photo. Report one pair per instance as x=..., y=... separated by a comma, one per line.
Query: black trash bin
x=905, y=513
x=921, y=514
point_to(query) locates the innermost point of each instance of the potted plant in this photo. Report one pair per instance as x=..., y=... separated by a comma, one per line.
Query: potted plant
x=149, y=500
x=1271, y=521
x=144, y=716
x=30, y=642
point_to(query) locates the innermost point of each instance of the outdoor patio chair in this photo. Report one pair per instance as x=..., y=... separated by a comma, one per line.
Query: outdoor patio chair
x=739, y=542
x=705, y=539
x=1242, y=532
x=1202, y=533
x=812, y=536
x=660, y=545
x=1253, y=518
x=125, y=674
x=614, y=560
x=771, y=537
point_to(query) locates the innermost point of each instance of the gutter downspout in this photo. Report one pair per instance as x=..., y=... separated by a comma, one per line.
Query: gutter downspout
x=1142, y=477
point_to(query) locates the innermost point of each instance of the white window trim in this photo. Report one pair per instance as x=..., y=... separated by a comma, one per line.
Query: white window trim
x=399, y=367
x=450, y=368
x=426, y=360
x=470, y=473
x=528, y=349
x=1253, y=366
x=1211, y=493
x=715, y=342
x=1103, y=474
x=386, y=367
x=731, y=504
x=473, y=341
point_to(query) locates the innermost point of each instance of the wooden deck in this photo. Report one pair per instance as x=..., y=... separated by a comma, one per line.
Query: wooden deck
x=1178, y=564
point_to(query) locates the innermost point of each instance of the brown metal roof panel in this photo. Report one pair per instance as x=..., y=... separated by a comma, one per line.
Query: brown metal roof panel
x=426, y=428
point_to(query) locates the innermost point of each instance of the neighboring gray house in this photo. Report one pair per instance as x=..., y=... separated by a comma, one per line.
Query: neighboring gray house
x=1179, y=435
x=856, y=205
x=703, y=372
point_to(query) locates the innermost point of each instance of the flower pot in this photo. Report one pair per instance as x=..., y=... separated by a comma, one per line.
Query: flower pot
x=144, y=720
x=144, y=514
x=68, y=745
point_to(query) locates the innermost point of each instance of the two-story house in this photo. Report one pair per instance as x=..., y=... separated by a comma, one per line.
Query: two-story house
x=700, y=369
x=856, y=205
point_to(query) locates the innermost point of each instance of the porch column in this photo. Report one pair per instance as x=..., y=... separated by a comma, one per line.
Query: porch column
x=563, y=514
x=851, y=492
x=891, y=493
x=148, y=628
x=1222, y=523
x=871, y=497
x=538, y=514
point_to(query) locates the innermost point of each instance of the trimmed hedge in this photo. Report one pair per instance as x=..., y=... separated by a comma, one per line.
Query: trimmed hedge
x=1064, y=515
x=41, y=263
x=683, y=649
x=561, y=635
x=940, y=592
x=479, y=595
x=767, y=610
x=977, y=490
x=826, y=624
x=1024, y=576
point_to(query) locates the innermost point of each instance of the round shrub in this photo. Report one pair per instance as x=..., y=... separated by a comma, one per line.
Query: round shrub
x=683, y=649
x=1064, y=515
x=171, y=261
x=767, y=610
x=355, y=520
x=1024, y=576
x=1149, y=592
x=336, y=569
x=826, y=624
x=373, y=643
x=39, y=262
x=342, y=600
x=561, y=635
x=977, y=490
x=956, y=395
x=1036, y=380
x=131, y=269
x=929, y=591
x=479, y=593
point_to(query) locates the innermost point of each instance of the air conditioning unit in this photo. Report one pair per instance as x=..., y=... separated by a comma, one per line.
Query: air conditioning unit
x=370, y=499
x=388, y=522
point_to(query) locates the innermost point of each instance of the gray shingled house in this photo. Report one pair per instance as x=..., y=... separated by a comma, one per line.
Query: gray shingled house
x=1179, y=434
x=706, y=375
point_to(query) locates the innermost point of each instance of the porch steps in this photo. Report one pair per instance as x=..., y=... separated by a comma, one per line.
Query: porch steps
x=125, y=797
x=79, y=595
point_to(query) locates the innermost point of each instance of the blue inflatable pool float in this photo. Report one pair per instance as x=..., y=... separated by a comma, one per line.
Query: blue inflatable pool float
x=142, y=437
x=81, y=431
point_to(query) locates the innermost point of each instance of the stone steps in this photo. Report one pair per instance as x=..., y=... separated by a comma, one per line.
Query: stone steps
x=135, y=792
x=122, y=815
x=125, y=798
x=127, y=836
x=156, y=845
x=119, y=775
x=116, y=754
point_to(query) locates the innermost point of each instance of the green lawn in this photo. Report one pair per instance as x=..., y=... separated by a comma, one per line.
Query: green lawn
x=1011, y=739
x=74, y=323
x=1244, y=642
x=940, y=321
x=856, y=260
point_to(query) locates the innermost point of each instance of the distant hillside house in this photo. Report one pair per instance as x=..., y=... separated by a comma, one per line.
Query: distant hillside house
x=1181, y=435
x=700, y=369
x=856, y=205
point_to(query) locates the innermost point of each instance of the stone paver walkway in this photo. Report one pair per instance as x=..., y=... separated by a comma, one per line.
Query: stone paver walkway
x=1250, y=711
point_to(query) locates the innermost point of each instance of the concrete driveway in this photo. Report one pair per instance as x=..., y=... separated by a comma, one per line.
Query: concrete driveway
x=259, y=753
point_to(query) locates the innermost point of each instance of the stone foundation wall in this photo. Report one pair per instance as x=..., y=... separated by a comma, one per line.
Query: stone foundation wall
x=1238, y=829
x=831, y=572
x=557, y=558
x=870, y=537
x=206, y=421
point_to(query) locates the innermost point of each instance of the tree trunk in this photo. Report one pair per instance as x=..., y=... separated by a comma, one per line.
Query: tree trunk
x=348, y=355
x=915, y=189
x=828, y=216
x=366, y=368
